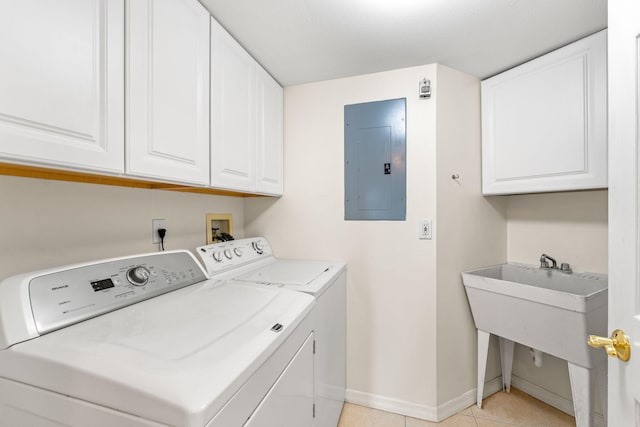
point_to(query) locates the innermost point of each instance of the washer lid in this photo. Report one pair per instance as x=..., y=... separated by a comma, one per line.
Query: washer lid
x=287, y=272
x=174, y=359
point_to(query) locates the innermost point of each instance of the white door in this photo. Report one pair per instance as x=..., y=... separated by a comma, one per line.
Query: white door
x=62, y=83
x=624, y=207
x=168, y=90
x=233, y=111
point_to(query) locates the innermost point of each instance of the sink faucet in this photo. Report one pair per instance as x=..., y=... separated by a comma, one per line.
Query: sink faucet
x=545, y=264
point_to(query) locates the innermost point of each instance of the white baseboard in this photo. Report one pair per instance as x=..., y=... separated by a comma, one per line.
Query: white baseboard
x=455, y=405
x=388, y=404
x=467, y=399
x=424, y=412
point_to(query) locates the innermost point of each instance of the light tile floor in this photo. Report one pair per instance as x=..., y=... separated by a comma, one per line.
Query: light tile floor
x=498, y=410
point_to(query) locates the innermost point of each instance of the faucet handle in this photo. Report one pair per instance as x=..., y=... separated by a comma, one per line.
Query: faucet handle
x=566, y=268
x=544, y=262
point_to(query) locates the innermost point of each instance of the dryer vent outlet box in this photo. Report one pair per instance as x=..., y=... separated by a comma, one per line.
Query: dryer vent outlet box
x=375, y=160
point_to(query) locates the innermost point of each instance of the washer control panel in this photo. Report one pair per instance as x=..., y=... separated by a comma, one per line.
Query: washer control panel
x=219, y=257
x=71, y=295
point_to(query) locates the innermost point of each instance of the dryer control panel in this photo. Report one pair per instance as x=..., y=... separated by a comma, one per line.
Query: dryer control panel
x=220, y=257
x=68, y=296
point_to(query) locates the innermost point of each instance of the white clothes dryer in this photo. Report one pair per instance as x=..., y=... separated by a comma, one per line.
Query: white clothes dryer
x=252, y=261
x=148, y=340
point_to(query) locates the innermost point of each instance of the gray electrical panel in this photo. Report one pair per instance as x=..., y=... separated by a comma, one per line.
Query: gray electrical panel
x=375, y=182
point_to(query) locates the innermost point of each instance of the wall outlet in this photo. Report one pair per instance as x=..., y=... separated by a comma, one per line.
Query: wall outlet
x=155, y=225
x=426, y=230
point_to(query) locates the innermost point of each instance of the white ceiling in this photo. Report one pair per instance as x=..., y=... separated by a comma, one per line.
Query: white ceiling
x=300, y=41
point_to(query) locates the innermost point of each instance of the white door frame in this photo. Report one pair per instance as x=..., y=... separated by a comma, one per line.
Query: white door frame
x=624, y=210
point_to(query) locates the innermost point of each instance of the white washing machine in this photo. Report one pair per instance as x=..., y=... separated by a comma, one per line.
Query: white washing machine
x=150, y=341
x=252, y=261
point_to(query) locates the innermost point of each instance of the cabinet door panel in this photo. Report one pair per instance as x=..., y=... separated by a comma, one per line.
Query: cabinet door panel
x=233, y=128
x=168, y=90
x=548, y=123
x=544, y=123
x=289, y=403
x=269, y=149
x=61, y=97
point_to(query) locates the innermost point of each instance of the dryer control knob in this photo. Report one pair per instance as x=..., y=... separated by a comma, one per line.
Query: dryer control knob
x=138, y=276
x=228, y=254
x=238, y=252
x=217, y=256
x=257, y=246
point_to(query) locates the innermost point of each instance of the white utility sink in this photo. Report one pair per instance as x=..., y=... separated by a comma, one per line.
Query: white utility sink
x=547, y=310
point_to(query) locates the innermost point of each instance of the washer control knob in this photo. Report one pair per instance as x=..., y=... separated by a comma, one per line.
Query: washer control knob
x=238, y=252
x=228, y=254
x=217, y=256
x=138, y=276
x=257, y=246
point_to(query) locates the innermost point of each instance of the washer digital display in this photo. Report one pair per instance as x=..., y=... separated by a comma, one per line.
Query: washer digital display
x=100, y=285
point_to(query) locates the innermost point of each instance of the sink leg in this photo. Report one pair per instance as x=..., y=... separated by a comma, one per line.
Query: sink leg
x=582, y=384
x=483, y=352
x=601, y=372
x=506, y=363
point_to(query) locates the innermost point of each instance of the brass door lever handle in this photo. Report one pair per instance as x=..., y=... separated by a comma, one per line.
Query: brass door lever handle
x=616, y=346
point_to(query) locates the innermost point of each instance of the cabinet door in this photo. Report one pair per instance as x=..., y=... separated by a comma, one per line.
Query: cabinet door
x=544, y=123
x=62, y=83
x=233, y=128
x=168, y=90
x=289, y=403
x=269, y=174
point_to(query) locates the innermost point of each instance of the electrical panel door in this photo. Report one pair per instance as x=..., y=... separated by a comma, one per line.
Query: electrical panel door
x=375, y=160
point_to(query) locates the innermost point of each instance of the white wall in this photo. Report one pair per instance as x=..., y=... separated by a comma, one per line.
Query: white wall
x=50, y=223
x=391, y=307
x=471, y=231
x=570, y=226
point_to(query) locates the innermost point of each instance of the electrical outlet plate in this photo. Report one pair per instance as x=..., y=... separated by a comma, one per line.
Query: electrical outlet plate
x=425, y=232
x=155, y=225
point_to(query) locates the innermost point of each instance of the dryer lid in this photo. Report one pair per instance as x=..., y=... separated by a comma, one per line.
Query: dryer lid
x=287, y=272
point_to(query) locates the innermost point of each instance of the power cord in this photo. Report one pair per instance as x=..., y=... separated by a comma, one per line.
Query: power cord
x=162, y=232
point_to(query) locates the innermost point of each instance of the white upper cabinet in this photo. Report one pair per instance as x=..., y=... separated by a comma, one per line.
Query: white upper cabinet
x=167, y=134
x=233, y=113
x=246, y=120
x=269, y=149
x=152, y=89
x=62, y=83
x=544, y=123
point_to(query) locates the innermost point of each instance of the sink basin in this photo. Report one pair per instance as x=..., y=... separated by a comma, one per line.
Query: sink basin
x=548, y=310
